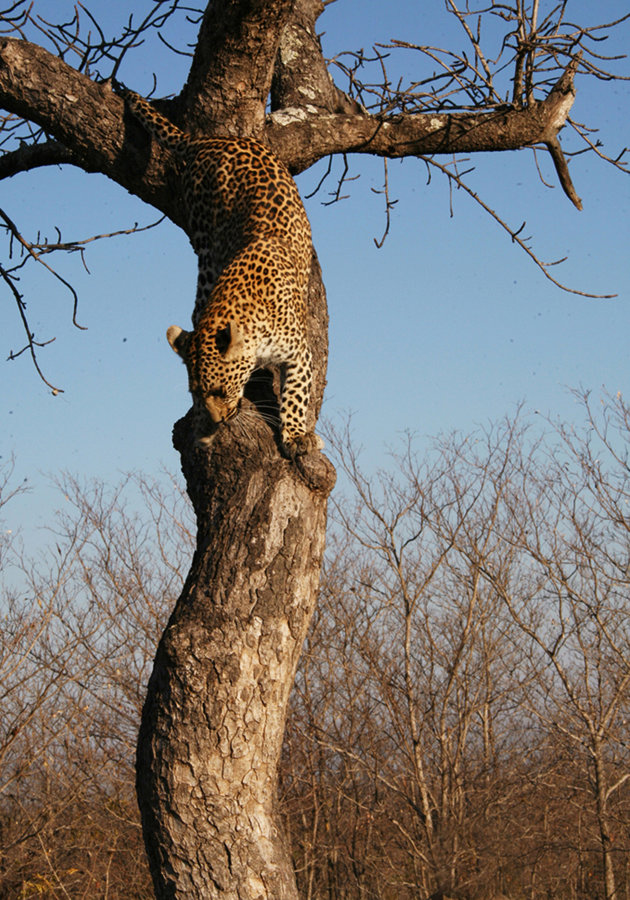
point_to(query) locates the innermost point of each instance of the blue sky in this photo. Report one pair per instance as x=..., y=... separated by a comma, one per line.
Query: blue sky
x=449, y=325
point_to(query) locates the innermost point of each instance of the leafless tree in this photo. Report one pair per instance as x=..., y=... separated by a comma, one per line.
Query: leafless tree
x=459, y=724
x=460, y=717
x=214, y=716
x=406, y=700
x=574, y=610
x=33, y=678
x=89, y=611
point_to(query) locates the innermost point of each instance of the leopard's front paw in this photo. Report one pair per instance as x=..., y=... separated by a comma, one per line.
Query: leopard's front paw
x=303, y=444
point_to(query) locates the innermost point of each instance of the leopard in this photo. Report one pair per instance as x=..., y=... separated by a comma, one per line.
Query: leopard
x=248, y=227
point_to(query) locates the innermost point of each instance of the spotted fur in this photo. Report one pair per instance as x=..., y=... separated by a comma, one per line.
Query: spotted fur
x=249, y=229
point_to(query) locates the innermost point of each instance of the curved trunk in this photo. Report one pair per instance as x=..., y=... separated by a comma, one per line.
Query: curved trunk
x=213, y=720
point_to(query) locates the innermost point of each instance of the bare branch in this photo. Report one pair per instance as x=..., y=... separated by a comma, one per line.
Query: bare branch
x=35, y=252
x=30, y=338
x=36, y=255
x=32, y=156
x=302, y=139
x=559, y=161
x=515, y=235
x=83, y=41
x=618, y=161
x=389, y=204
x=79, y=245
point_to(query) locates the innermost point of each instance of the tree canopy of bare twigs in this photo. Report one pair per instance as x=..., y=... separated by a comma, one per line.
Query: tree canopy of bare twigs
x=460, y=719
x=77, y=639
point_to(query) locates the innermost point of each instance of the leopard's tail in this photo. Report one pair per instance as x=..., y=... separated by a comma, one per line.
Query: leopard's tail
x=155, y=123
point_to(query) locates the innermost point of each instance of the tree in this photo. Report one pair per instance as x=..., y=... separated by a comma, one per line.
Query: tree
x=431, y=739
x=214, y=714
x=77, y=634
x=573, y=611
x=426, y=714
x=460, y=715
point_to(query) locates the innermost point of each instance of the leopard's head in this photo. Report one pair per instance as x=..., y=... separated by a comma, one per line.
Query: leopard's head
x=218, y=364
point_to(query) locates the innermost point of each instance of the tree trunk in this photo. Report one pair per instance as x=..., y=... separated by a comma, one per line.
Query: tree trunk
x=213, y=720
x=610, y=886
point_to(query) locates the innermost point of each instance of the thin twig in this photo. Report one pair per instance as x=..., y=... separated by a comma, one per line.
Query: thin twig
x=514, y=235
x=31, y=342
x=389, y=204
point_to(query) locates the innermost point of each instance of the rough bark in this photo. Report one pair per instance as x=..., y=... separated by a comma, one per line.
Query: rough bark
x=214, y=717
x=213, y=721
x=230, y=77
x=89, y=120
x=85, y=118
x=302, y=138
x=301, y=80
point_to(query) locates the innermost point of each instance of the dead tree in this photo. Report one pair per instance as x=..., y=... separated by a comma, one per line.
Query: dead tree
x=214, y=715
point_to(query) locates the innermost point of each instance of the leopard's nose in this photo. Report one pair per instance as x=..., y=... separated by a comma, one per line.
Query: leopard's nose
x=220, y=410
x=216, y=409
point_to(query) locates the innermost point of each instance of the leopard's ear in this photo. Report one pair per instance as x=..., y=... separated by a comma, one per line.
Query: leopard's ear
x=178, y=339
x=234, y=343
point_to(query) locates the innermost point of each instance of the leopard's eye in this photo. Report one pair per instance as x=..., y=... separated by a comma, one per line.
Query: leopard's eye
x=222, y=339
